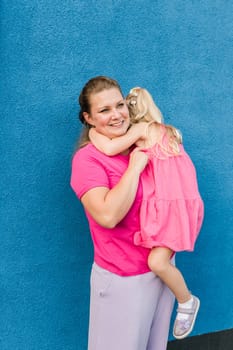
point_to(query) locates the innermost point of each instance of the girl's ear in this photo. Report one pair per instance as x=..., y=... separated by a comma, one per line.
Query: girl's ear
x=88, y=118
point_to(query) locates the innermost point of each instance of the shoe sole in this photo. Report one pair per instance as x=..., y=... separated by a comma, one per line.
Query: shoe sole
x=193, y=322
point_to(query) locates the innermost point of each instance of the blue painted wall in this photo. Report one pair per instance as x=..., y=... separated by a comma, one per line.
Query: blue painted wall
x=182, y=52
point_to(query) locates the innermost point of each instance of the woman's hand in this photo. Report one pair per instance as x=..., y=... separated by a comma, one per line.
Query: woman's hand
x=138, y=160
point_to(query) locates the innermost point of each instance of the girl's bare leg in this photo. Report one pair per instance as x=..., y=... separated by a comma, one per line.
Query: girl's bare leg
x=188, y=305
x=159, y=263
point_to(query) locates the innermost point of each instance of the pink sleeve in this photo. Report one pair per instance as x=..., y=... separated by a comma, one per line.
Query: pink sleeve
x=87, y=173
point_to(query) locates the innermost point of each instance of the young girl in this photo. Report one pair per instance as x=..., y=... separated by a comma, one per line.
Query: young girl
x=172, y=209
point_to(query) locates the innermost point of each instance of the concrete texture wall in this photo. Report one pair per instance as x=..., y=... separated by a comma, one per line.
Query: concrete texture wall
x=182, y=52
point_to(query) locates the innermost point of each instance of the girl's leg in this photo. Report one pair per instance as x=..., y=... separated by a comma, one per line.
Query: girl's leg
x=159, y=262
x=188, y=305
x=122, y=311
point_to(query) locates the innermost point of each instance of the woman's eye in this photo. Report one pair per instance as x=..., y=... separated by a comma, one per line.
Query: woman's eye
x=121, y=105
x=104, y=110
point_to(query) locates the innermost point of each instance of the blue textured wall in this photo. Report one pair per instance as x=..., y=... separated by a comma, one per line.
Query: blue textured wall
x=182, y=52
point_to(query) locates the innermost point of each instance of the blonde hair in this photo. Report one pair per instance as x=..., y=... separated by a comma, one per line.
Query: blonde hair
x=143, y=108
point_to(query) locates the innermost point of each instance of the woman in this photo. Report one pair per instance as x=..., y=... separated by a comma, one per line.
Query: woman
x=130, y=306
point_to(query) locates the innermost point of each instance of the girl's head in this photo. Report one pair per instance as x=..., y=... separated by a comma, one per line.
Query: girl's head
x=142, y=106
x=102, y=106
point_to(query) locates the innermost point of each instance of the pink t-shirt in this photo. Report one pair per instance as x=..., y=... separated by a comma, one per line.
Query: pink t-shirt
x=114, y=249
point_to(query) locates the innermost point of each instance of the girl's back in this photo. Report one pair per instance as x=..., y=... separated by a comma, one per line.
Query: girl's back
x=171, y=196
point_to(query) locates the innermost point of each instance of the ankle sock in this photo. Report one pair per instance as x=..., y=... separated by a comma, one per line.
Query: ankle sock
x=187, y=305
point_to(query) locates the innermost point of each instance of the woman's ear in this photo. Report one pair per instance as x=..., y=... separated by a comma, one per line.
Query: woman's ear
x=88, y=118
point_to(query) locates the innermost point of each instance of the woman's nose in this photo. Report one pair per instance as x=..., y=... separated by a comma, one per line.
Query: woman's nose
x=115, y=113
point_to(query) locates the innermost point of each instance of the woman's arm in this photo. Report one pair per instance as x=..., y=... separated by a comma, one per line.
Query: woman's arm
x=111, y=147
x=109, y=206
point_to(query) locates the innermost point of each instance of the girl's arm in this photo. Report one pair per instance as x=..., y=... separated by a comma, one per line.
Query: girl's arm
x=111, y=147
x=109, y=206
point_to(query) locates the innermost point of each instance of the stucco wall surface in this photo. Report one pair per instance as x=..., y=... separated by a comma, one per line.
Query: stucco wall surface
x=182, y=52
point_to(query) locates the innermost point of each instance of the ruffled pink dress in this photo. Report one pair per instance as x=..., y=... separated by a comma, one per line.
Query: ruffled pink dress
x=172, y=210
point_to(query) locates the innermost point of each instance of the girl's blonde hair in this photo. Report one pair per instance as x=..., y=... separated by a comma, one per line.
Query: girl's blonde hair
x=143, y=108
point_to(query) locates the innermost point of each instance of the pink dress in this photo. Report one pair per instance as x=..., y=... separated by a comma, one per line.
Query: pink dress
x=172, y=210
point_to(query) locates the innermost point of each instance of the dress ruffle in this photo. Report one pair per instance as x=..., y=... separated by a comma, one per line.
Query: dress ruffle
x=174, y=224
x=172, y=210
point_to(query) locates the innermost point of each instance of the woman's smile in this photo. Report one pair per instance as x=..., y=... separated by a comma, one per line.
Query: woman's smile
x=109, y=113
x=117, y=124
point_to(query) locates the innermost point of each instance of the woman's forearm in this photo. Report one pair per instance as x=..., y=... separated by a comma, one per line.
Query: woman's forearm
x=119, y=200
x=109, y=207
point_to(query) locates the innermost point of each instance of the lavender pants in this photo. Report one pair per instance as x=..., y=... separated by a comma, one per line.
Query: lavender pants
x=128, y=313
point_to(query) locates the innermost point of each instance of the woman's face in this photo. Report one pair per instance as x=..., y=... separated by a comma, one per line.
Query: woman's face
x=108, y=113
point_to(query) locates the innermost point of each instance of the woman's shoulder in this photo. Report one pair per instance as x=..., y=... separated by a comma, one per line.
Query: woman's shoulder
x=89, y=153
x=86, y=150
x=83, y=155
